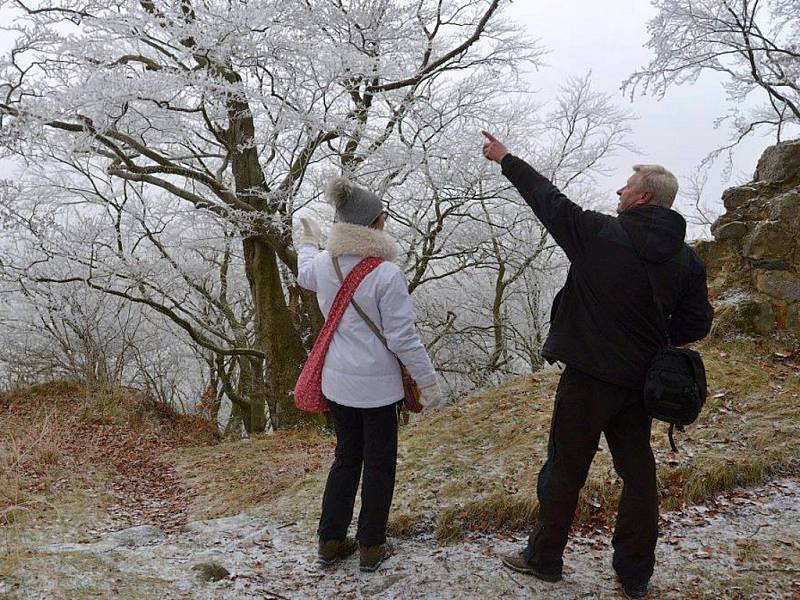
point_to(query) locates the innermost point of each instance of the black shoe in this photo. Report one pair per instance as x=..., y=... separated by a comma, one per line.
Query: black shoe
x=520, y=564
x=634, y=590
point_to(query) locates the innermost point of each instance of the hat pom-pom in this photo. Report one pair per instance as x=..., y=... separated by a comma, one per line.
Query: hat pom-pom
x=339, y=191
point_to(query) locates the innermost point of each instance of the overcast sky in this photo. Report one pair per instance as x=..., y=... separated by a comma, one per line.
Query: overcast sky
x=608, y=38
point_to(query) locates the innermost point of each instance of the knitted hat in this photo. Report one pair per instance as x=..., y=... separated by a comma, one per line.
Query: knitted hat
x=353, y=204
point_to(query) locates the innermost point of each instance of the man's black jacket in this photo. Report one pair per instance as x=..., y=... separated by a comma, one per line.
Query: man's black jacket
x=605, y=320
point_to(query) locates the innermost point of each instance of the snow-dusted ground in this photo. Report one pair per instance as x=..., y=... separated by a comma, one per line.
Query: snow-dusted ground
x=742, y=545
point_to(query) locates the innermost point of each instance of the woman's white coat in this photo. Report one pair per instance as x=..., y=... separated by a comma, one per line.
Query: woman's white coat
x=359, y=371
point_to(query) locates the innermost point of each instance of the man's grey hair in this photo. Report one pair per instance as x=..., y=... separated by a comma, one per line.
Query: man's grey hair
x=658, y=181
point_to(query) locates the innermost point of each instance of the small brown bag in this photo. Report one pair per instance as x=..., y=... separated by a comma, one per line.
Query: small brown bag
x=411, y=391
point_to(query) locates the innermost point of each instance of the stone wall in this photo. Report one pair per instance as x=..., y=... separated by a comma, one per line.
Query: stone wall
x=754, y=260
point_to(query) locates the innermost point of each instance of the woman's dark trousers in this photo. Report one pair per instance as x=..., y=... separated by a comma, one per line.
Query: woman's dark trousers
x=365, y=437
x=585, y=407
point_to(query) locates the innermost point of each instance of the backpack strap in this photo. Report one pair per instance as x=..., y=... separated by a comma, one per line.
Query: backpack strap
x=664, y=320
x=672, y=439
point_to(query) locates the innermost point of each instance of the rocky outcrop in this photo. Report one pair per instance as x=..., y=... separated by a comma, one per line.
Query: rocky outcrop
x=754, y=260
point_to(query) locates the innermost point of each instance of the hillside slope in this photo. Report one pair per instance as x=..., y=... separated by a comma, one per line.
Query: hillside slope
x=104, y=493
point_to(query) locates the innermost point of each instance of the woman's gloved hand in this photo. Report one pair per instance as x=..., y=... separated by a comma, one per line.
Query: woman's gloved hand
x=431, y=397
x=311, y=234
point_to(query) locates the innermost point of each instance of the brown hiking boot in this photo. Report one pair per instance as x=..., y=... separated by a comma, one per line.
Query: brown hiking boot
x=331, y=551
x=518, y=562
x=371, y=557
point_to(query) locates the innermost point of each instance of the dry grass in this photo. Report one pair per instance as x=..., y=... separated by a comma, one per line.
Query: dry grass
x=53, y=390
x=128, y=407
x=29, y=463
x=230, y=477
x=31, y=433
x=42, y=456
x=57, y=471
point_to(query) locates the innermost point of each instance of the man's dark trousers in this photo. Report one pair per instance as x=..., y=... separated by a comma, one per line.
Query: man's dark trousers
x=365, y=437
x=585, y=407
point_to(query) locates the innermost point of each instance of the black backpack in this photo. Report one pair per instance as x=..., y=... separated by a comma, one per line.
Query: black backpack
x=675, y=388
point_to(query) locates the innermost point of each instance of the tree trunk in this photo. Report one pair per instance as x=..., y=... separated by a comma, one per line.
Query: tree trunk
x=307, y=318
x=273, y=378
x=233, y=428
x=275, y=335
x=499, y=356
x=252, y=399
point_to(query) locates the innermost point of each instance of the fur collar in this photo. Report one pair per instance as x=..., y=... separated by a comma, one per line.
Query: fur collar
x=346, y=238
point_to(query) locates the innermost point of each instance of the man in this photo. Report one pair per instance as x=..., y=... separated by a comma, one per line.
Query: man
x=607, y=323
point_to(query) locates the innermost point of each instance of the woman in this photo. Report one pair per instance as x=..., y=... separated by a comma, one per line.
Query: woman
x=361, y=377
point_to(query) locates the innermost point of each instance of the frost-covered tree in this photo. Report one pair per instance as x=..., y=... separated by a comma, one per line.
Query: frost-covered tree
x=754, y=45
x=167, y=152
x=69, y=331
x=236, y=110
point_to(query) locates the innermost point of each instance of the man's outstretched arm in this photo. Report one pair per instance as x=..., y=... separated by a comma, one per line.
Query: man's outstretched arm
x=568, y=223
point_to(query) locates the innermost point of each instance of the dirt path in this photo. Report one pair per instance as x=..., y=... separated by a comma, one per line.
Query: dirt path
x=742, y=545
x=145, y=489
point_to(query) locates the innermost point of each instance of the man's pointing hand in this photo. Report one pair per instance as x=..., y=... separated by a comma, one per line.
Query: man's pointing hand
x=493, y=149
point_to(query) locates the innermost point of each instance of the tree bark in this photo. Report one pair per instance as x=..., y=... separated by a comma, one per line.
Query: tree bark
x=275, y=335
x=233, y=428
